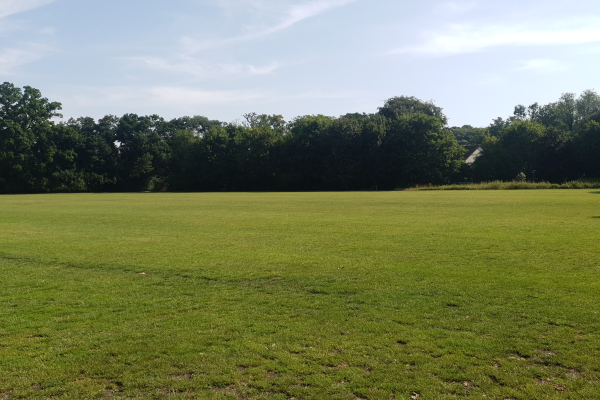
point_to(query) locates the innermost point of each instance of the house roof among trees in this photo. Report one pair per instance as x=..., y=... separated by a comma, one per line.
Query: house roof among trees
x=471, y=150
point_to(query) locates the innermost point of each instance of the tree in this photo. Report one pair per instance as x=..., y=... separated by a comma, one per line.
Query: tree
x=396, y=107
x=588, y=146
x=25, y=133
x=352, y=148
x=417, y=149
x=305, y=153
x=587, y=105
x=467, y=135
x=143, y=152
x=197, y=124
x=566, y=110
x=264, y=121
x=568, y=113
x=97, y=153
x=540, y=152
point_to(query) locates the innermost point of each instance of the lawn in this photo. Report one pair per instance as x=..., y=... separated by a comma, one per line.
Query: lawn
x=370, y=295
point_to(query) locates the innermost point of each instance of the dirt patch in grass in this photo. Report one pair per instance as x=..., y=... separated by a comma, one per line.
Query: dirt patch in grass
x=518, y=357
x=339, y=366
x=550, y=382
x=166, y=393
x=183, y=377
x=574, y=374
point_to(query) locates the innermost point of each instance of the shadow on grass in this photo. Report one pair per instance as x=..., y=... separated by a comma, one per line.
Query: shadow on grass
x=594, y=192
x=598, y=217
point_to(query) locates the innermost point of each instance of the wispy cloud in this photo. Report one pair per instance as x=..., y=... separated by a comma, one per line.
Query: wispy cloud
x=147, y=99
x=177, y=100
x=10, y=7
x=460, y=39
x=11, y=59
x=294, y=15
x=456, y=7
x=10, y=26
x=542, y=65
x=204, y=70
x=180, y=95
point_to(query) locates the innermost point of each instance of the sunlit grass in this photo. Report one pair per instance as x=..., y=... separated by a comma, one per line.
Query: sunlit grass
x=301, y=295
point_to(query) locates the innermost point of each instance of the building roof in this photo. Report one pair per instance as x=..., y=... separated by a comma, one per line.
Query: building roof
x=471, y=150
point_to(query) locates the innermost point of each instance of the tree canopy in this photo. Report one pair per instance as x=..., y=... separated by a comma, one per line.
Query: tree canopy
x=406, y=142
x=553, y=142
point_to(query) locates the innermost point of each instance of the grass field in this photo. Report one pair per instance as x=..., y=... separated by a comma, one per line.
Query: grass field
x=372, y=295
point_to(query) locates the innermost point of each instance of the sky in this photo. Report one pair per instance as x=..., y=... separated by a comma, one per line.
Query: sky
x=224, y=58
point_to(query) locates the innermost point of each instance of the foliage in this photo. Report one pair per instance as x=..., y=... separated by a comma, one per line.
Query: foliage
x=467, y=135
x=568, y=113
x=523, y=147
x=27, y=152
x=396, y=107
x=557, y=142
x=588, y=148
x=406, y=143
x=418, y=149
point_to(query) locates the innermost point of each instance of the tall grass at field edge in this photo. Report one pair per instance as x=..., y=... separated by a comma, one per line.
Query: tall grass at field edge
x=514, y=185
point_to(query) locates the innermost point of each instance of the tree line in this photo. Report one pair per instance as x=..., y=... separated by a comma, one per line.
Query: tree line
x=406, y=142
x=556, y=142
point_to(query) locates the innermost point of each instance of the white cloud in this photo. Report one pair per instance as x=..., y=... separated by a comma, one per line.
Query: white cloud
x=294, y=14
x=541, y=65
x=10, y=7
x=173, y=101
x=456, y=8
x=10, y=59
x=488, y=79
x=137, y=99
x=187, y=96
x=199, y=69
x=468, y=39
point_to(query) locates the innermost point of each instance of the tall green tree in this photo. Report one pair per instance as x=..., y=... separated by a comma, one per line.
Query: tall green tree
x=305, y=153
x=417, y=149
x=588, y=149
x=197, y=124
x=143, y=152
x=26, y=149
x=540, y=152
x=97, y=153
x=398, y=106
x=352, y=148
x=468, y=135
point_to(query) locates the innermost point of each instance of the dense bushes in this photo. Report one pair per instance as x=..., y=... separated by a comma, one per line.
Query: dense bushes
x=514, y=185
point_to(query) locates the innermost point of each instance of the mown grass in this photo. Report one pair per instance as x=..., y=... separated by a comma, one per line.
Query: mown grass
x=514, y=185
x=374, y=295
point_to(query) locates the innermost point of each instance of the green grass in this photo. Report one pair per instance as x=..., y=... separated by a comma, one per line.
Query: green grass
x=373, y=295
x=514, y=185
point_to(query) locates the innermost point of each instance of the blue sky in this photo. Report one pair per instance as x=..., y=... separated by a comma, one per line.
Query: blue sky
x=224, y=58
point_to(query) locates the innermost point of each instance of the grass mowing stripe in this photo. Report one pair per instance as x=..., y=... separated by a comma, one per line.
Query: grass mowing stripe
x=304, y=295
